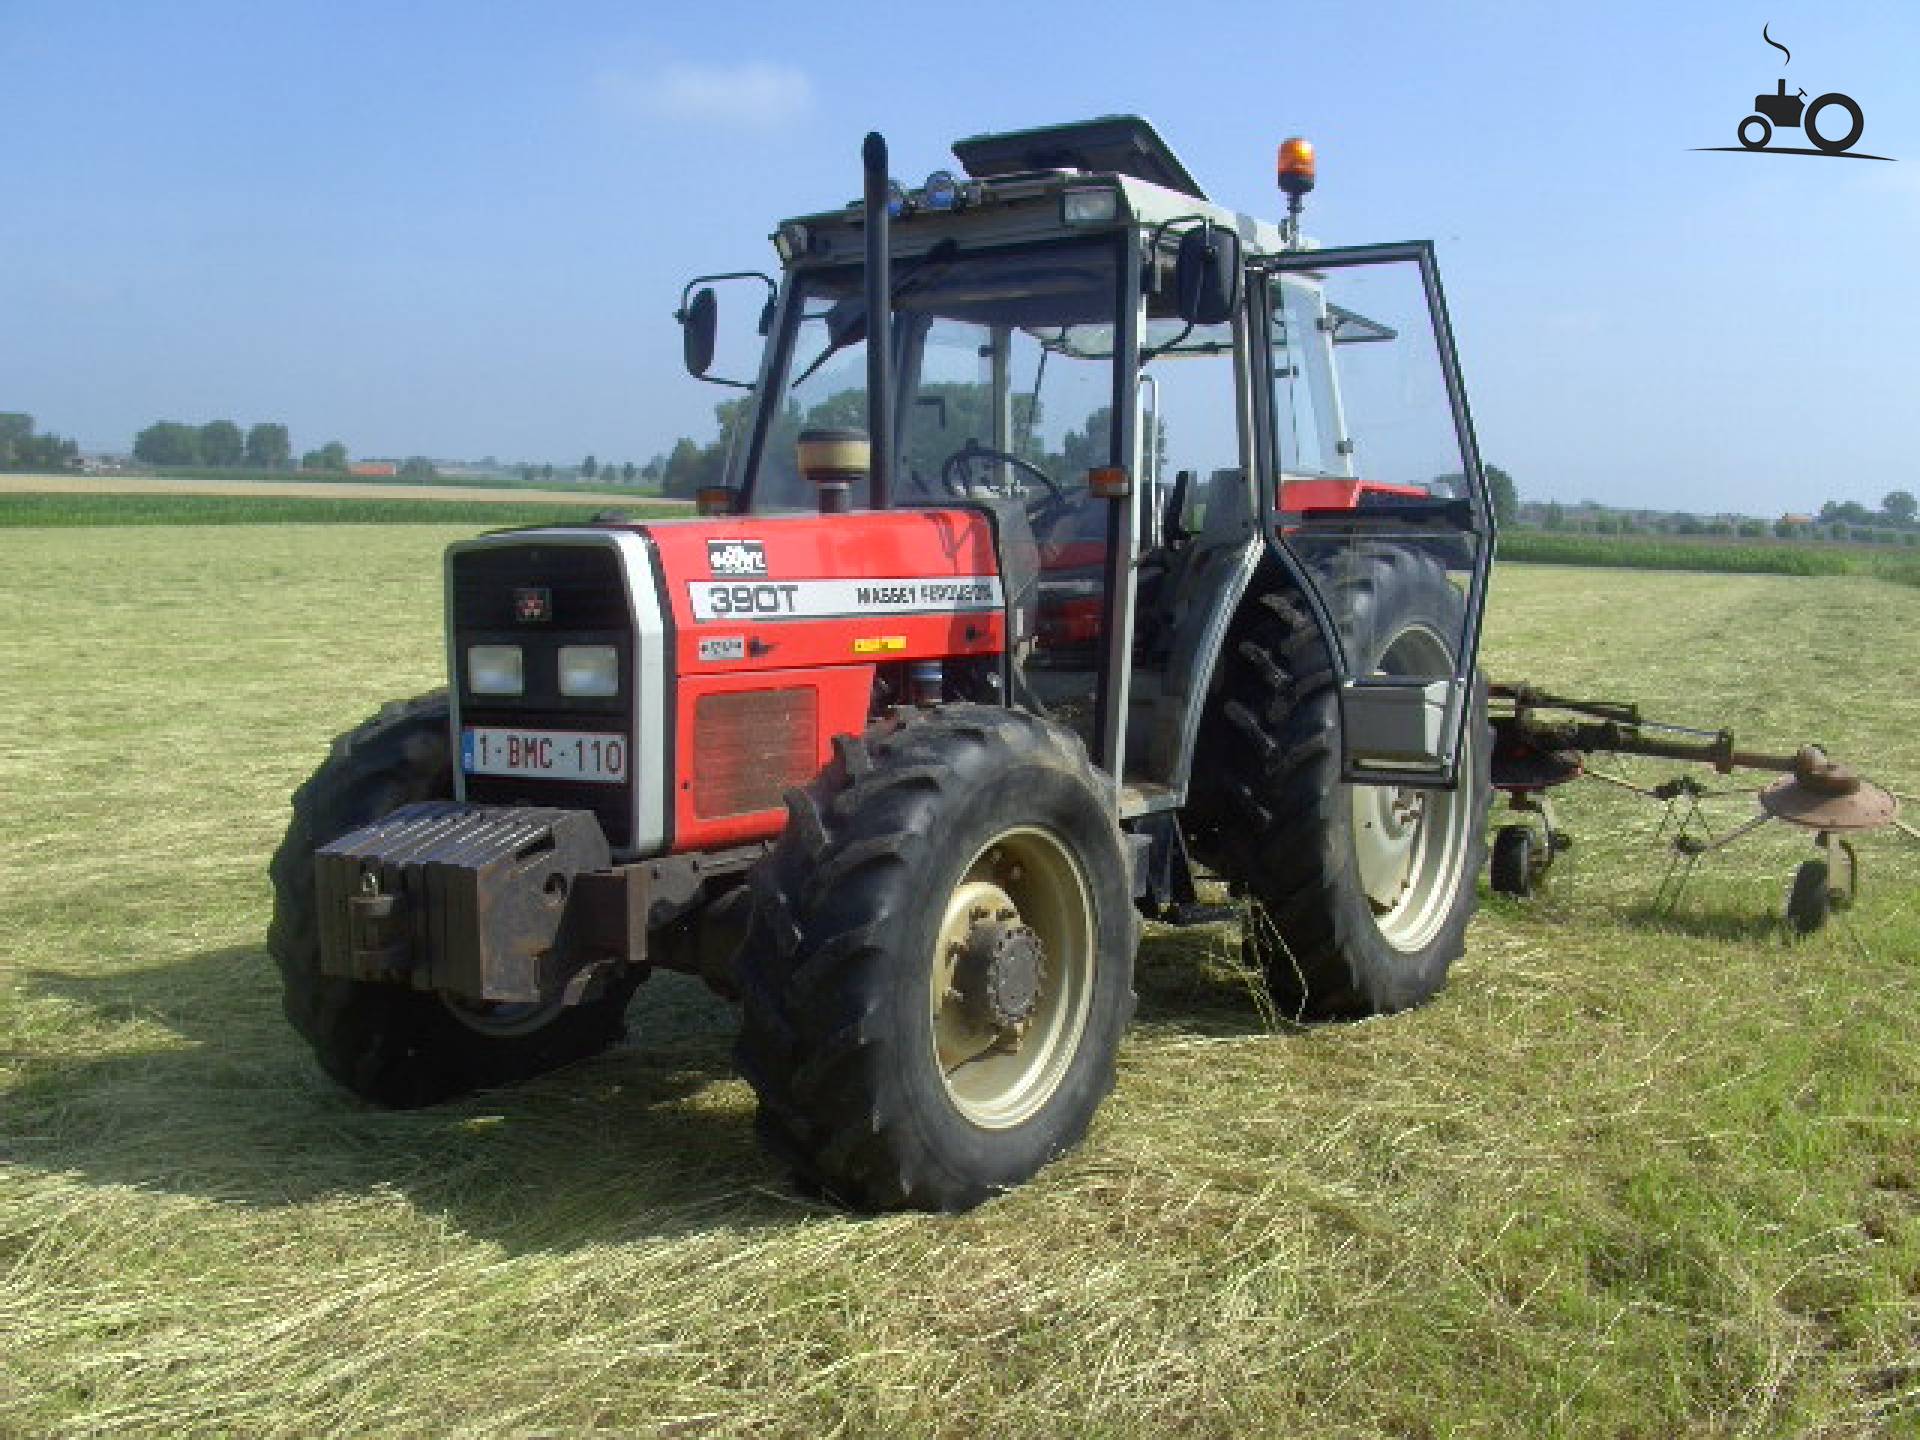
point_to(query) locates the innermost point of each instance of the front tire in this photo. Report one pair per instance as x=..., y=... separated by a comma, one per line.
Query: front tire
x=386, y=1043
x=939, y=968
x=1361, y=894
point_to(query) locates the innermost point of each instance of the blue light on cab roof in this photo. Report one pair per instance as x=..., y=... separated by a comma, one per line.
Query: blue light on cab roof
x=941, y=192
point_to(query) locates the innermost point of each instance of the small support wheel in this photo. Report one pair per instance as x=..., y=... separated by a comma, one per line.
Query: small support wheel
x=1810, y=900
x=1511, y=870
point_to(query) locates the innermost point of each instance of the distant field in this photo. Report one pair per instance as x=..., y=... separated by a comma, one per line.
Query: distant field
x=329, y=478
x=1721, y=556
x=64, y=511
x=312, y=489
x=1629, y=1175
x=28, y=500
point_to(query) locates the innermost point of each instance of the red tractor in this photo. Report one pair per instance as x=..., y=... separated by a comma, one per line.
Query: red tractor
x=1084, y=536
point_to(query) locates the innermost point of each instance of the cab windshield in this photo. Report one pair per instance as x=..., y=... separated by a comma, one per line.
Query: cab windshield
x=997, y=391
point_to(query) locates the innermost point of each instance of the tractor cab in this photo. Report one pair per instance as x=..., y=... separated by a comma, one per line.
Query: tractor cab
x=1170, y=394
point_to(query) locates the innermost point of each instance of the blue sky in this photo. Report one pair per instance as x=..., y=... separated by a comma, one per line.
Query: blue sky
x=460, y=229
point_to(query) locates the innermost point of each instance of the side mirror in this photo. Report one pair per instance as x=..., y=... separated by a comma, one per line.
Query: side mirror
x=1206, y=275
x=699, y=322
x=699, y=317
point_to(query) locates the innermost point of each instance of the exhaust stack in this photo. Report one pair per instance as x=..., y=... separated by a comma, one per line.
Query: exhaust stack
x=879, y=322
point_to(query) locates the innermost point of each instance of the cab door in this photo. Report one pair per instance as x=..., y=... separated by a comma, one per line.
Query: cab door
x=1375, y=499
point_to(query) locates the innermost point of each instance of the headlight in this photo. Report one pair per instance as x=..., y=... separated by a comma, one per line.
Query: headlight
x=1089, y=207
x=589, y=670
x=791, y=241
x=495, y=670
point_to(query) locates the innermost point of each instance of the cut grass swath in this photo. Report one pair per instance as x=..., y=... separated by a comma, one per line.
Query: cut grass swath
x=1628, y=1175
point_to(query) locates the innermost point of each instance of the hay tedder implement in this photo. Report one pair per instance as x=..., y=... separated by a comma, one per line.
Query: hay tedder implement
x=1543, y=741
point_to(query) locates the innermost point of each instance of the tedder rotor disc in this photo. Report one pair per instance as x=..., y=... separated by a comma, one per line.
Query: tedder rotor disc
x=1814, y=806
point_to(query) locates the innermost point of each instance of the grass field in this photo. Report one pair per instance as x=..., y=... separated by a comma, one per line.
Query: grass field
x=1629, y=1175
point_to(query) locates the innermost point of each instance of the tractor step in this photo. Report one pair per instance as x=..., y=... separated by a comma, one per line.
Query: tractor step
x=1195, y=913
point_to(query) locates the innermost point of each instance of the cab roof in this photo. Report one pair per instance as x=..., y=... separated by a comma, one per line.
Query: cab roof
x=1107, y=144
x=1014, y=168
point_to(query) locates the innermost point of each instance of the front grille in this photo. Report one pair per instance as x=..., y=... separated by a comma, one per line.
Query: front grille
x=583, y=580
x=589, y=604
x=749, y=746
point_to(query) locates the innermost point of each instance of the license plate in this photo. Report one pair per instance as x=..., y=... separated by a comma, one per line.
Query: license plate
x=544, y=754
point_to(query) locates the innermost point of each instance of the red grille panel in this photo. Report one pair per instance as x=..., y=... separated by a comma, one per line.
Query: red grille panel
x=749, y=746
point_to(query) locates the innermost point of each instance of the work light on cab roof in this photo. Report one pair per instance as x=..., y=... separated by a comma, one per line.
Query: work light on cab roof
x=940, y=191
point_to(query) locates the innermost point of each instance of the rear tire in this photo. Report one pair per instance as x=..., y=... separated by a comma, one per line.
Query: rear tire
x=386, y=1043
x=940, y=964
x=1271, y=815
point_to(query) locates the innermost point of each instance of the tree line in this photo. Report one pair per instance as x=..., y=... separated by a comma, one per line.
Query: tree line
x=1896, y=522
x=221, y=444
x=592, y=469
x=1899, y=509
x=23, y=448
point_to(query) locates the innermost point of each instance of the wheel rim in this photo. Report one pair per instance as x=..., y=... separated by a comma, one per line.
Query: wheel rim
x=1011, y=980
x=1410, y=845
x=499, y=1018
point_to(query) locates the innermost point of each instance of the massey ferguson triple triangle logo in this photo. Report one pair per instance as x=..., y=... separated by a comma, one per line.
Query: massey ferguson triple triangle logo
x=532, y=604
x=736, y=557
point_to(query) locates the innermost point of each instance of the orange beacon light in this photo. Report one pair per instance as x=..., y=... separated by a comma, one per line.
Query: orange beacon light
x=1296, y=166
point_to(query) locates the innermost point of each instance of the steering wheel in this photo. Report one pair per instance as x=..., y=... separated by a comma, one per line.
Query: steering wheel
x=953, y=472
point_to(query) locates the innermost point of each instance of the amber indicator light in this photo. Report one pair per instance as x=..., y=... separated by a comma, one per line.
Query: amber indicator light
x=1296, y=165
